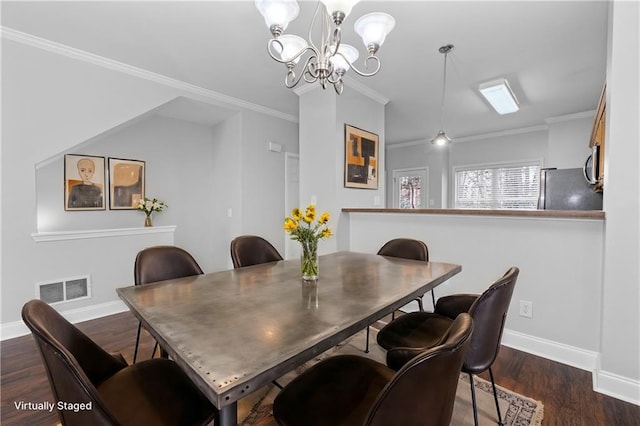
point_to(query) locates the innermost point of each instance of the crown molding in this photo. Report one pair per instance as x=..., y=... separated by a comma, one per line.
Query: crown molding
x=570, y=117
x=406, y=144
x=81, y=55
x=510, y=132
x=365, y=90
x=351, y=84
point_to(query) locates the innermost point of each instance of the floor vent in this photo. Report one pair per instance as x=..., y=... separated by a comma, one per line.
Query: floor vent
x=64, y=290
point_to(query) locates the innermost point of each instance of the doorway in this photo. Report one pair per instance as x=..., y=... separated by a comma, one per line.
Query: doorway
x=410, y=188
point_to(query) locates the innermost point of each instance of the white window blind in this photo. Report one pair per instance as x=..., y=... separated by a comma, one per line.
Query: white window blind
x=498, y=187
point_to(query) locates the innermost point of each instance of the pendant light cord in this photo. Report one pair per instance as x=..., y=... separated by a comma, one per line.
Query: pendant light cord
x=444, y=49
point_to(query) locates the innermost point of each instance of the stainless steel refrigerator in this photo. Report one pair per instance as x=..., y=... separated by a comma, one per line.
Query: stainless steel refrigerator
x=567, y=189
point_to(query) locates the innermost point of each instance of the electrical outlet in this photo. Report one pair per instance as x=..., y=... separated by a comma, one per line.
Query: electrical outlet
x=526, y=309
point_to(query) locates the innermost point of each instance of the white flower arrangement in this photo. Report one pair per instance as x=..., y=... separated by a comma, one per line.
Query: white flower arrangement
x=149, y=206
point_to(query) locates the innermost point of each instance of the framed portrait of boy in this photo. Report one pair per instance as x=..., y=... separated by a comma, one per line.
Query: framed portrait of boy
x=360, y=158
x=84, y=182
x=126, y=183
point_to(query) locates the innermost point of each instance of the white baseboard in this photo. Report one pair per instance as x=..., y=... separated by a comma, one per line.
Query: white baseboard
x=565, y=354
x=17, y=328
x=616, y=386
x=610, y=384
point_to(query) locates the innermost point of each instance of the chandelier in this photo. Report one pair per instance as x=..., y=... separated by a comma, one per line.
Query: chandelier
x=328, y=61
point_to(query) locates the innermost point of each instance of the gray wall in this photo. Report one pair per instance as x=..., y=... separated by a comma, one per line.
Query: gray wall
x=62, y=105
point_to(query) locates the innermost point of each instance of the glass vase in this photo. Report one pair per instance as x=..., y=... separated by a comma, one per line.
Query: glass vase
x=309, y=261
x=147, y=221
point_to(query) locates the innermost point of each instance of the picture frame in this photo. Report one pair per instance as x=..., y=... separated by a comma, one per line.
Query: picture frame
x=84, y=182
x=126, y=183
x=360, y=158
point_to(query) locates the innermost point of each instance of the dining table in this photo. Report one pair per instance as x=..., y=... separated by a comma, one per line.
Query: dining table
x=235, y=331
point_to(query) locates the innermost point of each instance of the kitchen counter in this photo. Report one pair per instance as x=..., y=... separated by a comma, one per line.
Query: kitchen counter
x=561, y=214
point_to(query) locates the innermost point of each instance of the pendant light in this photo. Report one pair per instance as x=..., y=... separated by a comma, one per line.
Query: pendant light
x=442, y=138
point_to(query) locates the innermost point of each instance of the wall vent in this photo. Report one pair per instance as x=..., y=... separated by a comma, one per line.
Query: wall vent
x=64, y=290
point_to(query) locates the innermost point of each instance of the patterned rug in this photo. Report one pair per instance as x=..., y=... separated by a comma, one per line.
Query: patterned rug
x=517, y=410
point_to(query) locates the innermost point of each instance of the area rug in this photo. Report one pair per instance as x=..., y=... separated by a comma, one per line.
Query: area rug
x=517, y=410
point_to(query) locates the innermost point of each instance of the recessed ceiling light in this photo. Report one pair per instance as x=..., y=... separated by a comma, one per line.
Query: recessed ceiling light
x=499, y=95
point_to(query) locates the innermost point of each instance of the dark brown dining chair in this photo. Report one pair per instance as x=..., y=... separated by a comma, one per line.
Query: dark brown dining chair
x=405, y=248
x=247, y=250
x=354, y=390
x=152, y=392
x=161, y=263
x=420, y=330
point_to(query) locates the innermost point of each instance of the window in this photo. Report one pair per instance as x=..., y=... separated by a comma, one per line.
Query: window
x=498, y=187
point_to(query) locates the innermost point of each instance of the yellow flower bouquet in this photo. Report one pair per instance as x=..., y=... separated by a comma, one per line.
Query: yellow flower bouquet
x=305, y=228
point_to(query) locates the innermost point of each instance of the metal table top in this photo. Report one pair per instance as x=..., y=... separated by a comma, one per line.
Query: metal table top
x=235, y=331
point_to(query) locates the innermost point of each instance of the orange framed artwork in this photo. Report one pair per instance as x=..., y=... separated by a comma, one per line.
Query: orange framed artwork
x=84, y=177
x=360, y=158
x=126, y=183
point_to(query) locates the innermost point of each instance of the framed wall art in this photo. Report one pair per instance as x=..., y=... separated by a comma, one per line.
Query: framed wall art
x=84, y=182
x=126, y=183
x=360, y=158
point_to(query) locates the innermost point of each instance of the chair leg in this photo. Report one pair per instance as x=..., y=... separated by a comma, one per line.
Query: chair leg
x=495, y=396
x=433, y=299
x=155, y=347
x=473, y=399
x=366, y=348
x=420, y=306
x=135, y=350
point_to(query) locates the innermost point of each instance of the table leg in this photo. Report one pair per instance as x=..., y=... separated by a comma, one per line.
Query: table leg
x=228, y=415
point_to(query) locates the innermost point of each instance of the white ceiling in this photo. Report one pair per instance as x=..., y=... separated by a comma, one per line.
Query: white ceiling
x=553, y=53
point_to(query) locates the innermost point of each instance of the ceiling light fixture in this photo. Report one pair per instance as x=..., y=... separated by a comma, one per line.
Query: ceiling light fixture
x=499, y=95
x=442, y=138
x=329, y=61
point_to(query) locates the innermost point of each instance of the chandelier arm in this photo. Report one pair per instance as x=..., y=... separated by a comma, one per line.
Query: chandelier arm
x=366, y=74
x=333, y=47
x=311, y=25
x=336, y=78
x=338, y=86
x=307, y=69
x=275, y=56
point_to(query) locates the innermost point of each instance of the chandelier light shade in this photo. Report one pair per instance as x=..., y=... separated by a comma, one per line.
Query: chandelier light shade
x=499, y=95
x=442, y=138
x=373, y=28
x=327, y=61
x=278, y=13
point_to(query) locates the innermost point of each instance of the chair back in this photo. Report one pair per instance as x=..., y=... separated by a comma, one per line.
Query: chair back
x=247, y=250
x=405, y=248
x=75, y=364
x=489, y=313
x=422, y=393
x=161, y=263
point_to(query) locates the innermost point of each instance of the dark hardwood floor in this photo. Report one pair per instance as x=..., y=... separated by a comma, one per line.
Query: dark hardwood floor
x=566, y=392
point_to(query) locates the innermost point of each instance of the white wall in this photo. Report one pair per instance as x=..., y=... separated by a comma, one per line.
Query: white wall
x=226, y=190
x=51, y=103
x=568, y=145
x=322, y=119
x=54, y=104
x=419, y=154
x=620, y=341
x=560, y=261
x=263, y=175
